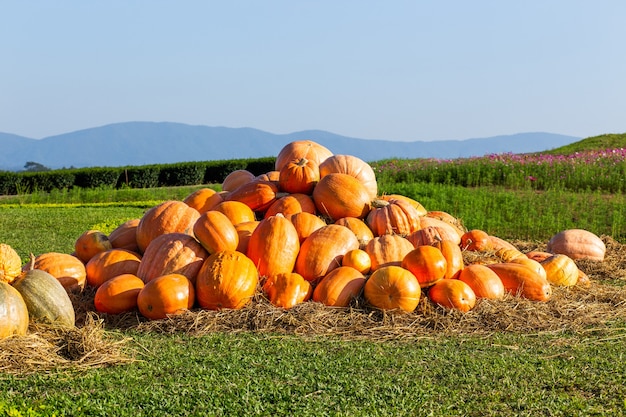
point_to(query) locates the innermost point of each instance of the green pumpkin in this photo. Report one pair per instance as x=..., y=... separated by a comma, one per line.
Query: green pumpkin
x=46, y=299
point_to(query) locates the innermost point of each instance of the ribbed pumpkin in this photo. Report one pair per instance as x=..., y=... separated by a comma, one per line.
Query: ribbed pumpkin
x=258, y=195
x=446, y=217
x=446, y=230
x=359, y=227
x=204, y=199
x=10, y=263
x=430, y=235
x=172, y=253
x=269, y=176
x=237, y=178
x=560, y=270
x=341, y=195
x=227, y=279
x=287, y=289
x=391, y=288
x=354, y=166
x=452, y=293
x=215, y=232
x=357, y=259
x=119, y=294
x=577, y=244
x=273, y=246
x=124, y=236
x=67, y=269
x=236, y=211
x=301, y=149
x=339, y=287
x=170, y=216
x=299, y=176
x=306, y=223
x=13, y=312
x=244, y=231
x=387, y=250
x=323, y=251
x=291, y=204
x=169, y=294
x=522, y=281
x=427, y=263
x=394, y=216
x=418, y=206
x=484, y=281
x=46, y=299
x=106, y=265
x=90, y=243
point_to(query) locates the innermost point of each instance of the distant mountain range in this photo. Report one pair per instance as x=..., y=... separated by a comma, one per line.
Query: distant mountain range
x=143, y=143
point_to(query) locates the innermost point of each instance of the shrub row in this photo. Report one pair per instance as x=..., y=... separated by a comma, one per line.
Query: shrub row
x=146, y=176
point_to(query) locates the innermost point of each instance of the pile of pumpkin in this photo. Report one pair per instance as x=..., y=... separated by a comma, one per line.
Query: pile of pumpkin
x=315, y=228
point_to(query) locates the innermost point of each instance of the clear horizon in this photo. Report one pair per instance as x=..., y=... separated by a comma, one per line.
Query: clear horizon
x=400, y=71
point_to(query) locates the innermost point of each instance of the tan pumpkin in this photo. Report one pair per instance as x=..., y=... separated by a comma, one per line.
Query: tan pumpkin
x=306, y=223
x=323, y=251
x=339, y=287
x=227, y=279
x=577, y=244
x=299, y=176
x=170, y=216
x=354, y=166
x=237, y=178
x=393, y=216
x=291, y=204
x=387, y=250
x=124, y=236
x=14, y=316
x=360, y=229
x=522, y=281
x=67, y=269
x=287, y=289
x=215, y=232
x=341, y=195
x=357, y=259
x=392, y=288
x=484, y=281
x=106, y=265
x=10, y=263
x=273, y=246
x=204, y=199
x=301, y=149
x=452, y=293
x=560, y=270
x=258, y=195
x=172, y=253
x=90, y=243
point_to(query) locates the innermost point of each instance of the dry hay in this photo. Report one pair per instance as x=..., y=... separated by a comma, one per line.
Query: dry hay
x=48, y=348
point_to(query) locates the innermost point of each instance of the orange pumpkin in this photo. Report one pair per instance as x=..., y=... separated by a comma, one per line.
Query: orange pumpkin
x=166, y=295
x=227, y=279
x=454, y=257
x=522, y=281
x=90, y=243
x=354, y=166
x=357, y=259
x=339, y=287
x=446, y=230
x=244, y=231
x=237, y=178
x=341, y=195
x=258, y=195
x=484, y=281
x=215, y=232
x=124, y=236
x=67, y=269
x=420, y=208
x=387, y=250
x=273, y=246
x=323, y=251
x=427, y=263
x=287, y=289
x=204, y=199
x=392, y=288
x=531, y=263
x=269, y=176
x=106, y=265
x=452, y=293
x=119, y=294
x=475, y=240
x=291, y=204
x=305, y=224
x=236, y=211
x=394, y=216
x=10, y=263
x=301, y=149
x=170, y=216
x=172, y=253
x=430, y=235
x=299, y=176
x=360, y=229
x=538, y=255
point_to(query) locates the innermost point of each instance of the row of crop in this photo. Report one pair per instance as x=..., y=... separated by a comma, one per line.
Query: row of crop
x=147, y=176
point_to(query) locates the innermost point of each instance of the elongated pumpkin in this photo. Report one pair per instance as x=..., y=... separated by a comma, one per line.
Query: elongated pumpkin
x=274, y=246
x=67, y=269
x=577, y=244
x=215, y=232
x=339, y=287
x=106, y=265
x=522, y=281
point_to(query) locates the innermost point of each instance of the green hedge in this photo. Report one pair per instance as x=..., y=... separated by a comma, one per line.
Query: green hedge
x=146, y=176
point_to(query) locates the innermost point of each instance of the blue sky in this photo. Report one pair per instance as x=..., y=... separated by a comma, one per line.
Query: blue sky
x=396, y=70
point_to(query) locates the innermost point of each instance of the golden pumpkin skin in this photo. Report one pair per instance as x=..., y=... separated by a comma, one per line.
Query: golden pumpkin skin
x=357, y=259
x=118, y=294
x=560, y=270
x=227, y=279
x=484, y=281
x=215, y=232
x=391, y=288
x=106, y=265
x=452, y=293
x=287, y=290
x=10, y=263
x=273, y=246
x=204, y=199
x=341, y=195
x=577, y=244
x=323, y=251
x=168, y=217
x=520, y=280
x=236, y=211
x=360, y=229
x=476, y=240
x=339, y=287
x=165, y=295
x=13, y=312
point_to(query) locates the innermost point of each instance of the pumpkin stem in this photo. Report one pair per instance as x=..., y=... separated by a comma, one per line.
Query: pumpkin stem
x=379, y=203
x=32, y=261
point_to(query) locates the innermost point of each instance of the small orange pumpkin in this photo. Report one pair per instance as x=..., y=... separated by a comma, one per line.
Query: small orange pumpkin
x=339, y=287
x=291, y=204
x=341, y=195
x=119, y=294
x=165, y=295
x=301, y=149
x=475, y=240
x=360, y=229
x=287, y=289
x=306, y=223
x=357, y=259
x=391, y=288
x=106, y=265
x=452, y=293
x=90, y=243
x=299, y=176
x=236, y=211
